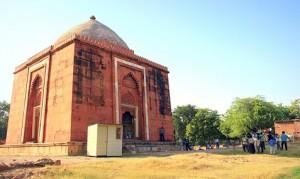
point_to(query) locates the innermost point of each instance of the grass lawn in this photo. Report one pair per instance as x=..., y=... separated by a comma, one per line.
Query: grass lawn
x=224, y=164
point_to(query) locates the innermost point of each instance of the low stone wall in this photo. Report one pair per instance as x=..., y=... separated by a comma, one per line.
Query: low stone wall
x=70, y=148
x=144, y=147
x=79, y=148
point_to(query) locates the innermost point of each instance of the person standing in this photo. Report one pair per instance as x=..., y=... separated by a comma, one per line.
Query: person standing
x=256, y=143
x=187, y=145
x=245, y=144
x=278, y=140
x=272, y=143
x=270, y=136
x=184, y=144
x=251, y=147
x=284, y=139
x=262, y=142
x=217, y=143
x=162, y=134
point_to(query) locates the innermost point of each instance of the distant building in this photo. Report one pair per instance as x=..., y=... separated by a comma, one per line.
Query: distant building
x=291, y=127
x=88, y=76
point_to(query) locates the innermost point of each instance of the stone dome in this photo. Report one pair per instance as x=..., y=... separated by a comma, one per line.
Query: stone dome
x=94, y=30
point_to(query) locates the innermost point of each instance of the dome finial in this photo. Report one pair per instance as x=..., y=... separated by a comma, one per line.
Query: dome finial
x=93, y=17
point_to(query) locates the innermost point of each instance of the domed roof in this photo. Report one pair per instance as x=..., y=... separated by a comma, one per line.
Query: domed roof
x=94, y=30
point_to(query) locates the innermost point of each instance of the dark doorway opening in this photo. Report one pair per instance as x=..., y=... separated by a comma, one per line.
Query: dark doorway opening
x=128, y=126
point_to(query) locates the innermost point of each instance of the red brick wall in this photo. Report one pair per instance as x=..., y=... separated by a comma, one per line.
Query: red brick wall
x=17, y=108
x=92, y=90
x=297, y=129
x=81, y=92
x=291, y=128
x=90, y=64
x=58, y=118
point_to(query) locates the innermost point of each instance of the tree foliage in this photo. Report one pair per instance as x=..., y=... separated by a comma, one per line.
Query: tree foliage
x=182, y=116
x=196, y=124
x=249, y=114
x=294, y=109
x=204, y=127
x=4, y=111
x=283, y=112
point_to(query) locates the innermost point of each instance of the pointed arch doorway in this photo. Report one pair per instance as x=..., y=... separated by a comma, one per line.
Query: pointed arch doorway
x=33, y=118
x=130, y=121
x=128, y=125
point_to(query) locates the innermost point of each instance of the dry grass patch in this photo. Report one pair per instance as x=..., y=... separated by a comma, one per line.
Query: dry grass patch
x=186, y=165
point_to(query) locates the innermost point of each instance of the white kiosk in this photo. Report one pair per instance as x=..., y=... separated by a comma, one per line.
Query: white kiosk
x=104, y=140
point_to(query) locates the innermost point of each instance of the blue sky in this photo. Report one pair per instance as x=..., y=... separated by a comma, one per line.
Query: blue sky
x=216, y=50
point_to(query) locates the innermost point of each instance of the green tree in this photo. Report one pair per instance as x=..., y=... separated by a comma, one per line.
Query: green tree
x=204, y=127
x=225, y=128
x=283, y=112
x=4, y=111
x=294, y=109
x=182, y=116
x=248, y=114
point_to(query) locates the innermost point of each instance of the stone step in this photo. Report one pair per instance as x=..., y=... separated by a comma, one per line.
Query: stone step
x=140, y=142
x=147, y=146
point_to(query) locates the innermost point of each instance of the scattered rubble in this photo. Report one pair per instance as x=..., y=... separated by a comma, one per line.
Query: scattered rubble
x=28, y=164
x=16, y=170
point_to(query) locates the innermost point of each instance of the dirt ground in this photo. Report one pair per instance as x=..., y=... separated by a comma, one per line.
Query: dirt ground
x=179, y=164
x=36, y=172
x=33, y=172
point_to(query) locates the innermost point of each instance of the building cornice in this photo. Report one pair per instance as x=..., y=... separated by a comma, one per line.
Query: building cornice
x=108, y=46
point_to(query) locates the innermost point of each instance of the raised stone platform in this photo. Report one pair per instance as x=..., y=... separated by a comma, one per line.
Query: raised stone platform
x=145, y=147
x=79, y=148
x=34, y=149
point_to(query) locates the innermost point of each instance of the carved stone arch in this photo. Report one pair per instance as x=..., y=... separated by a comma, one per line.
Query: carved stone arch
x=33, y=115
x=128, y=98
x=130, y=81
x=36, y=83
x=35, y=90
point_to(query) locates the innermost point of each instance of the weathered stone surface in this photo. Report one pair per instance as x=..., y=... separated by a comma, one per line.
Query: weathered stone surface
x=86, y=81
x=145, y=147
x=3, y=166
x=29, y=164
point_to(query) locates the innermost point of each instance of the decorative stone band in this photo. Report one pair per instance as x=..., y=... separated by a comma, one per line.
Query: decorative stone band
x=118, y=60
x=99, y=43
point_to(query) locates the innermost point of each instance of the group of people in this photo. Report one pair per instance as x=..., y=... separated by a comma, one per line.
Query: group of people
x=186, y=144
x=255, y=143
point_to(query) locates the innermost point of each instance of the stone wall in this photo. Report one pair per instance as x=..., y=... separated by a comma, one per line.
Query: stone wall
x=58, y=118
x=17, y=108
x=92, y=90
x=290, y=128
x=80, y=91
x=57, y=149
x=150, y=147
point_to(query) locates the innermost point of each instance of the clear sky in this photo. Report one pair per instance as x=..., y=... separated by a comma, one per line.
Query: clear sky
x=216, y=50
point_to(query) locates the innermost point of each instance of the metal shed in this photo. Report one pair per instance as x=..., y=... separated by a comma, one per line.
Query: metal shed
x=104, y=140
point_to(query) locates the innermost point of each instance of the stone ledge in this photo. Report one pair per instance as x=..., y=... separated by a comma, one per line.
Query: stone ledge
x=69, y=148
x=145, y=147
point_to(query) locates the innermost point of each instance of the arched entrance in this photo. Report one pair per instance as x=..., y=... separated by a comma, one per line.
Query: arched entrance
x=128, y=125
x=32, y=126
